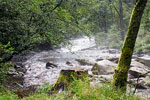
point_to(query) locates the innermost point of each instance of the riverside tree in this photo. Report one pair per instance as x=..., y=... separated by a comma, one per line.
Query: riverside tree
x=121, y=72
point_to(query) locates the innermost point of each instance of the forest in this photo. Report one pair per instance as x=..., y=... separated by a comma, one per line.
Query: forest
x=74, y=49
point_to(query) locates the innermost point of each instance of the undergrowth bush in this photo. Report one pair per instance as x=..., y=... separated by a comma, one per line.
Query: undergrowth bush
x=4, y=65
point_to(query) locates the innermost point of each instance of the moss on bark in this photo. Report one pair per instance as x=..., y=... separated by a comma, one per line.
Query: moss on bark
x=66, y=77
x=121, y=72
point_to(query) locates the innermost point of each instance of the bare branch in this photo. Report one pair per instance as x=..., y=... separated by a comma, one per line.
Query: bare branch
x=57, y=5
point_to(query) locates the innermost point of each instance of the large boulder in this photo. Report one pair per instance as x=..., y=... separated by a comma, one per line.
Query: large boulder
x=144, y=60
x=137, y=69
x=104, y=67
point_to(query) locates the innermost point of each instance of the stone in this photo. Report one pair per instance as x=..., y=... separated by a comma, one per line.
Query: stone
x=50, y=65
x=115, y=60
x=99, y=59
x=135, y=63
x=104, y=67
x=137, y=69
x=144, y=60
x=84, y=62
x=69, y=63
x=140, y=84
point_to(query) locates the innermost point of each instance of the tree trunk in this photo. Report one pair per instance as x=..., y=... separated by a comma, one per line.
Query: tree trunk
x=121, y=72
x=105, y=21
x=121, y=19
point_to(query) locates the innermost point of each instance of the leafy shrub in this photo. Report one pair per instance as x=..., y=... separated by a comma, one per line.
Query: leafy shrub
x=4, y=66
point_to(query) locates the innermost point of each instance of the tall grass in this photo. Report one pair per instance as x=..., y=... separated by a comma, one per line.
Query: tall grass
x=77, y=90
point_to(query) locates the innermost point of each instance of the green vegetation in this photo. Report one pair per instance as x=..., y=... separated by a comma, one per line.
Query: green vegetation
x=77, y=90
x=24, y=24
x=5, y=52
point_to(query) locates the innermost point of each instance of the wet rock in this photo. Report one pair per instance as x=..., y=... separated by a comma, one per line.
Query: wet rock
x=69, y=63
x=23, y=70
x=115, y=60
x=66, y=77
x=99, y=59
x=146, y=81
x=84, y=62
x=135, y=63
x=19, y=65
x=50, y=65
x=113, y=51
x=144, y=60
x=18, y=58
x=12, y=73
x=104, y=67
x=16, y=71
x=137, y=69
x=138, y=85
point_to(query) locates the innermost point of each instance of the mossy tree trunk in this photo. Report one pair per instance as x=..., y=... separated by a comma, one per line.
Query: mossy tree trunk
x=121, y=72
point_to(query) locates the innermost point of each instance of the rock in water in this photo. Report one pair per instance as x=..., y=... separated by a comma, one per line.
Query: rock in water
x=84, y=62
x=66, y=77
x=69, y=63
x=103, y=67
x=144, y=60
x=50, y=65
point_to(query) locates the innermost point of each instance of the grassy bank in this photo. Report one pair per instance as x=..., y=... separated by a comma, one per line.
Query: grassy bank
x=77, y=90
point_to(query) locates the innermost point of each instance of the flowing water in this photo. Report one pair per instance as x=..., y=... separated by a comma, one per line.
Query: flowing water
x=81, y=48
x=68, y=57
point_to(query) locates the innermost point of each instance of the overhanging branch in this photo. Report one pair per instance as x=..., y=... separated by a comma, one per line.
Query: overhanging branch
x=57, y=5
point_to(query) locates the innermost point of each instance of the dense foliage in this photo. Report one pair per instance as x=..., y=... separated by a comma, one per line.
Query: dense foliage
x=5, y=51
x=24, y=23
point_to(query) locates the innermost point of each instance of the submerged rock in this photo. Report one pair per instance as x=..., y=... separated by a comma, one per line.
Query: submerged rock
x=115, y=60
x=69, y=63
x=50, y=65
